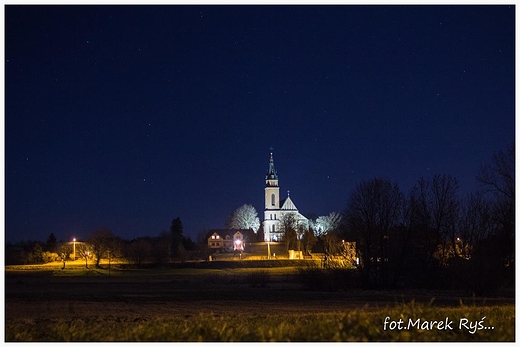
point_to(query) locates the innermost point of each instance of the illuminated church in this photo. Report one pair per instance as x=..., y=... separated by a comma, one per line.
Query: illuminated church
x=276, y=209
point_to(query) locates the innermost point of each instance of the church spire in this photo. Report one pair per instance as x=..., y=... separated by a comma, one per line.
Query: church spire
x=271, y=174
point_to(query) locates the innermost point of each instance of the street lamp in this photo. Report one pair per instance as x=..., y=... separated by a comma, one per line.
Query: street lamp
x=74, y=248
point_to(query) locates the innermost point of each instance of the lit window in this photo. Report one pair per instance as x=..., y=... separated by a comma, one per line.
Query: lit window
x=213, y=237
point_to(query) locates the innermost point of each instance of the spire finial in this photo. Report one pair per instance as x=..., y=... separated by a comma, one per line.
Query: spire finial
x=288, y=192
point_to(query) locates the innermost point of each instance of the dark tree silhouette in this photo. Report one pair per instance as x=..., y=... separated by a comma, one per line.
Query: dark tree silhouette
x=102, y=242
x=138, y=250
x=289, y=225
x=373, y=210
x=51, y=243
x=176, y=237
x=494, y=256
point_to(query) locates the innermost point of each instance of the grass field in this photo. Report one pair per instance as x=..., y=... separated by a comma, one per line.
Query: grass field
x=220, y=304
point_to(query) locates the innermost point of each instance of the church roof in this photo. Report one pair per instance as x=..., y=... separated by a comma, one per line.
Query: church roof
x=288, y=204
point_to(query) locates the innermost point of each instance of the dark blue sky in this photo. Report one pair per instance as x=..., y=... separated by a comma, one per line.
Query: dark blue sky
x=129, y=116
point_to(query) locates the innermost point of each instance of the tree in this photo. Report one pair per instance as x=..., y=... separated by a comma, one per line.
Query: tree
x=327, y=223
x=494, y=256
x=428, y=237
x=84, y=250
x=102, y=242
x=51, y=243
x=475, y=223
x=138, y=250
x=289, y=225
x=308, y=240
x=499, y=175
x=498, y=179
x=176, y=237
x=326, y=228
x=260, y=236
x=373, y=209
x=188, y=244
x=244, y=217
x=64, y=251
x=444, y=208
x=37, y=253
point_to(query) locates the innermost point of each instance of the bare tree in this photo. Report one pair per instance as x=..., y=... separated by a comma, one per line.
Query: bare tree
x=64, y=251
x=84, y=250
x=475, y=223
x=374, y=208
x=244, y=217
x=494, y=256
x=444, y=206
x=138, y=250
x=499, y=175
x=434, y=210
x=102, y=242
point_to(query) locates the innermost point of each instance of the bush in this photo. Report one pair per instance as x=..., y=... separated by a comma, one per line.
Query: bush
x=48, y=257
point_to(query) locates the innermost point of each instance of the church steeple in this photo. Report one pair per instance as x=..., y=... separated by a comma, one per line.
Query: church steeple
x=272, y=191
x=271, y=174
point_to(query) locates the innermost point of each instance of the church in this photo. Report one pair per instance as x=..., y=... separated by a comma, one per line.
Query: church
x=276, y=209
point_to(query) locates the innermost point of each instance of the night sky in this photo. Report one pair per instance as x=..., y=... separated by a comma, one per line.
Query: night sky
x=129, y=116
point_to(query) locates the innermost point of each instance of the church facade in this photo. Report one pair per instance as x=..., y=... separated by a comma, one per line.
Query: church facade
x=277, y=209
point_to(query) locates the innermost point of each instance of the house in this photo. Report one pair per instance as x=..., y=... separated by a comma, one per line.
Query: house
x=230, y=240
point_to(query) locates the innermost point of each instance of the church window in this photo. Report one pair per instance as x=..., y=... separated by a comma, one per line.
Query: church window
x=272, y=200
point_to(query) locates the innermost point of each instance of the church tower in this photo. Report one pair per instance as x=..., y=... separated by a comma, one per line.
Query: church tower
x=272, y=200
x=276, y=209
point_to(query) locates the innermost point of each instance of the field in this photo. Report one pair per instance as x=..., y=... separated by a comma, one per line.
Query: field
x=224, y=303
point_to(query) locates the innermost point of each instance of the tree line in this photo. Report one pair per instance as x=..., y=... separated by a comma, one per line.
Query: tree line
x=432, y=237
x=104, y=244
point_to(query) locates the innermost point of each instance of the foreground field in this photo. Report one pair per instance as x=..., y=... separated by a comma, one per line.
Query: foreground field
x=48, y=304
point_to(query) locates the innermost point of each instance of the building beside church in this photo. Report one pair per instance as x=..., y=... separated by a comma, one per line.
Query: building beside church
x=276, y=209
x=230, y=240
